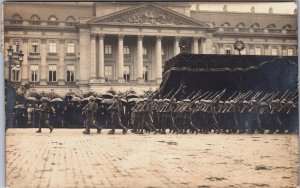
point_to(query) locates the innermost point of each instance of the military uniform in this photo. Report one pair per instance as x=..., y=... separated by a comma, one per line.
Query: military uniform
x=44, y=110
x=90, y=110
x=116, y=109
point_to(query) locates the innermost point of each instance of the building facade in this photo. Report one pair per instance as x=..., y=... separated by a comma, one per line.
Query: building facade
x=101, y=46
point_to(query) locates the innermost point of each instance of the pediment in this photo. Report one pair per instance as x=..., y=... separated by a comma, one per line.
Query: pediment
x=148, y=15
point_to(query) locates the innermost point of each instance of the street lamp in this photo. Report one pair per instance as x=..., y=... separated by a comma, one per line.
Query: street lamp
x=11, y=93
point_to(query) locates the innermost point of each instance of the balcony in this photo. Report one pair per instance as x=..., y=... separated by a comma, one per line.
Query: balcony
x=53, y=23
x=34, y=55
x=275, y=30
x=52, y=56
x=17, y=22
x=70, y=56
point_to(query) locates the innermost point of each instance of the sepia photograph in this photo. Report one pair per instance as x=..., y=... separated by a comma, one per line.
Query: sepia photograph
x=150, y=94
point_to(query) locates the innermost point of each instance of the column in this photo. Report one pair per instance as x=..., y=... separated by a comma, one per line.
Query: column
x=101, y=58
x=158, y=62
x=176, y=46
x=93, y=58
x=208, y=48
x=24, y=67
x=120, y=63
x=61, y=65
x=84, y=66
x=43, y=69
x=196, y=45
x=266, y=49
x=202, y=48
x=139, y=59
x=284, y=51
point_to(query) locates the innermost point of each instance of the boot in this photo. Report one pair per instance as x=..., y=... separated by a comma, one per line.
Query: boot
x=111, y=132
x=98, y=130
x=39, y=131
x=125, y=131
x=51, y=129
x=86, y=132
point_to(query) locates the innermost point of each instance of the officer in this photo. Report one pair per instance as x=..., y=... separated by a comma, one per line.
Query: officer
x=90, y=110
x=44, y=110
x=116, y=109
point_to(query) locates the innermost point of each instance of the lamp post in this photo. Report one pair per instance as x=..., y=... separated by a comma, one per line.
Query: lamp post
x=10, y=95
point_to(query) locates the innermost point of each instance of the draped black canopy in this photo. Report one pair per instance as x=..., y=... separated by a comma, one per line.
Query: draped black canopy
x=230, y=72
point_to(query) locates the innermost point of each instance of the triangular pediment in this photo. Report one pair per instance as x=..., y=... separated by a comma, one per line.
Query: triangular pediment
x=148, y=15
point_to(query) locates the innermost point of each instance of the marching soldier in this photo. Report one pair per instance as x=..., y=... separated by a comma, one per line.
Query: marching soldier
x=44, y=110
x=116, y=109
x=90, y=110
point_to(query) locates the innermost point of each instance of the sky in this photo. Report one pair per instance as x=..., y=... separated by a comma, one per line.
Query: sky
x=261, y=7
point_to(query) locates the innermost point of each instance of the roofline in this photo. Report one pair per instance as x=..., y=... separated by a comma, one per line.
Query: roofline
x=249, y=13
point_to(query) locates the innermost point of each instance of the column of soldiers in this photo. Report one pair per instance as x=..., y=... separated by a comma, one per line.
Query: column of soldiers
x=200, y=112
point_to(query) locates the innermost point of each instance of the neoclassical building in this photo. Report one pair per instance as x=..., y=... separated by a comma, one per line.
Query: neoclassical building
x=108, y=45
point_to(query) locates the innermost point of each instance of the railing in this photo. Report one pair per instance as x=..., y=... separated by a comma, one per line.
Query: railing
x=19, y=22
x=228, y=29
x=258, y=30
x=55, y=23
x=275, y=30
x=244, y=29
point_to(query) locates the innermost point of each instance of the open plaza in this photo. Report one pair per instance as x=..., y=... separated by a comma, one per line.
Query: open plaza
x=67, y=158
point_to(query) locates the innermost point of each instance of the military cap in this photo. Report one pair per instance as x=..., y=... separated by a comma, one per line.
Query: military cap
x=290, y=102
x=245, y=102
x=116, y=96
x=273, y=101
x=221, y=102
x=284, y=100
x=92, y=98
x=166, y=100
x=186, y=100
x=145, y=99
x=231, y=101
x=202, y=100
x=226, y=102
x=155, y=100
x=253, y=100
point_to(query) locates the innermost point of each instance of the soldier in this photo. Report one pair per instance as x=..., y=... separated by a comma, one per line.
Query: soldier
x=44, y=110
x=116, y=109
x=90, y=110
x=147, y=117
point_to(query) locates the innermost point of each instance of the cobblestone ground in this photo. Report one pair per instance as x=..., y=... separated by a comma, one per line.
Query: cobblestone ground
x=66, y=158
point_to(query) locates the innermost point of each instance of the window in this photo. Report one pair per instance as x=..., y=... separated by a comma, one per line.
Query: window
x=274, y=51
x=52, y=20
x=35, y=20
x=108, y=73
x=52, y=47
x=70, y=21
x=145, y=73
x=70, y=73
x=227, y=50
x=126, y=73
x=70, y=48
x=17, y=19
x=15, y=74
x=257, y=51
x=108, y=49
x=34, y=47
x=34, y=73
x=126, y=50
x=52, y=73
x=144, y=51
x=162, y=52
x=290, y=52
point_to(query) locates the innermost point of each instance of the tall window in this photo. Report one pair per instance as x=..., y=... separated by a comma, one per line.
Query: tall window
x=257, y=51
x=126, y=73
x=228, y=50
x=70, y=48
x=290, y=52
x=274, y=51
x=70, y=73
x=17, y=19
x=15, y=74
x=144, y=51
x=108, y=73
x=52, y=47
x=108, y=49
x=126, y=50
x=145, y=73
x=34, y=73
x=34, y=46
x=52, y=73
